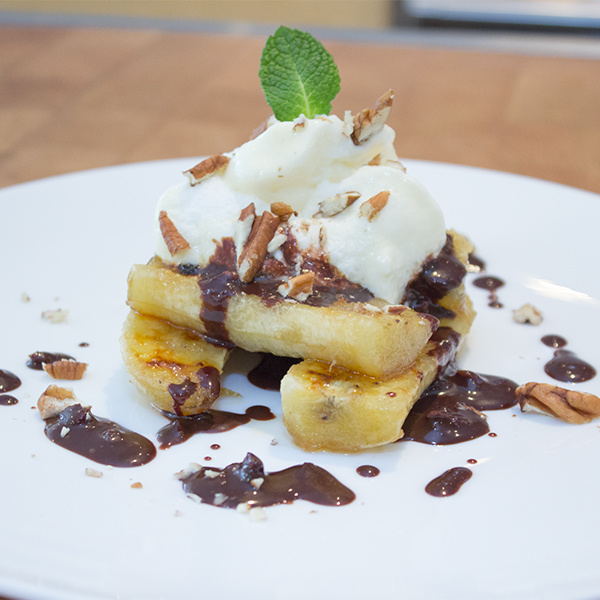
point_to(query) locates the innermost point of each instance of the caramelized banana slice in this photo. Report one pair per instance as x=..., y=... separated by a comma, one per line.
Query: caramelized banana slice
x=361, y=337
x=174, y=368
x=329, y=408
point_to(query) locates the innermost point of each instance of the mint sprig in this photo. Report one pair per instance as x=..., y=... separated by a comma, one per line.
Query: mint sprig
x=298, y=75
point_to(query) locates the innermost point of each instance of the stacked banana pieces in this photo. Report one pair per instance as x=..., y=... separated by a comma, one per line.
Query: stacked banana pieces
x=259, y=285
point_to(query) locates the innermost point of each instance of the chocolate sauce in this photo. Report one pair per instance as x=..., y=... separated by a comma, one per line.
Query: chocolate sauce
x=439, y=275
x=566, y=366
x=208, y=378
x=8, y=400
x=483, y=392
x=247, y=482
x=37, y=360
x=8, y=381
x=449, y=482
x=446, y=342
x=268, y=374
x=554, y=341
x=100, y=440
x=215, y=447
x=475, y=265
x=491, y=284
x=181, y=429
x=368, y=471
x=472, y=461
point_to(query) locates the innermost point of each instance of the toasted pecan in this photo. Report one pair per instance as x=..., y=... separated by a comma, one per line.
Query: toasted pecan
x=570, y=406
x=173, y=239
x=374, y=205
x=369, y=122
x=206, y=168
x=66, y=369
x=256, y=247
x=299, y=287
x=336, y=204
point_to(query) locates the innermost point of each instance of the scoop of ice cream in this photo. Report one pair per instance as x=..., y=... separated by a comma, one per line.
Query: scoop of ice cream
x=390, y=225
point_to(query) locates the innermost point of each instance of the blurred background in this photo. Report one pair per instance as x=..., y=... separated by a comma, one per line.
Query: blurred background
x=511, y=85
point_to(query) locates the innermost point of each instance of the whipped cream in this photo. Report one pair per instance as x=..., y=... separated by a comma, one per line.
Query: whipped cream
x=302, y=163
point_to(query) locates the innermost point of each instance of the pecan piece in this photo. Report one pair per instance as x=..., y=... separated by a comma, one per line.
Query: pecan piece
x=55, y=399
x=205, y=168
x=374, y=205
x=283, y=211
x=299, y=287
x=369, y=122
x=173, y=239
x=65, y=369
x=256, y=247
x=527, y=314
x=568, y=405
x=261, y=128
x=336, y=204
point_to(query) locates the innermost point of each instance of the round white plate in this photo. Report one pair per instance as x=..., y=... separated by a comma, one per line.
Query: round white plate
x=524, y=526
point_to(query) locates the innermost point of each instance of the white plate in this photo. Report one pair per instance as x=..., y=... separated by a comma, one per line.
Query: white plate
x=524, y=526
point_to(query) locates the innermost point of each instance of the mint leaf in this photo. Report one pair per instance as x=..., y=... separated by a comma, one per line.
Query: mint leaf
x=298, y=75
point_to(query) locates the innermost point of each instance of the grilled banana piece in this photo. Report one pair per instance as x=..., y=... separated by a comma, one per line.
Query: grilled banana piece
x=329, y=408
x=174, y=368
x=361, y=337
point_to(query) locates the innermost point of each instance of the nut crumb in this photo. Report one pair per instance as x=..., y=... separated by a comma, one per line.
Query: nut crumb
x=137, y=485
x=243, y=508
x=274, y=442
x=256, y=483
x=374, y=205
x=178, y=513
x=58, y=315
x=570, y=406
x=64, y=432
x=336, y=204
x=93, y=473
x=528, y=314
x=258, y=514
x=206, y=168
x=25, y=297
x=299, y=287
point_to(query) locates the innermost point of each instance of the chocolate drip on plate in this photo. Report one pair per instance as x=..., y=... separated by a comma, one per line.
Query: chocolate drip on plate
x=566, y=366
x=449, y=482
x=247, y=483
x=491, y=284
x=100, y=440
x=8, y=381
x=37, y=360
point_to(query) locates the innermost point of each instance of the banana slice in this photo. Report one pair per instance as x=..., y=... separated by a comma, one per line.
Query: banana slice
x=174, y=368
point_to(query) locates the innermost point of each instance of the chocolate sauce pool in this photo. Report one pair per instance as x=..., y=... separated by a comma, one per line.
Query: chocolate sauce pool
x=247, y=482
x=567, y=366
x=449, y=482
x=100, y=440
x=8, y=400
x=554, y=341
x=448, y=412
x=8, y=381
x=181, y=429
x=368, y=471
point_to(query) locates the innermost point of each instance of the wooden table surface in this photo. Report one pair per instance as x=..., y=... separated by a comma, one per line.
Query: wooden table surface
x=80, y=98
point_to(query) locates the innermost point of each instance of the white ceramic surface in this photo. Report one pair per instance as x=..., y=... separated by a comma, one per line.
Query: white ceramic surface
x=524, y=526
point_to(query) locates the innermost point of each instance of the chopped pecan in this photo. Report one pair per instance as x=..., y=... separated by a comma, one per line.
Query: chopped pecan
x=173, y=239
x=299, y=287
x=65, y=369
x=55, y=399
x=336, y=204
x=283, y=211
x=568, y=405
x=256, y=247
x=207, y=167
x=375, y=161
x=373, y=206
x=369, y=122
x=527, y=314
x=58, y=315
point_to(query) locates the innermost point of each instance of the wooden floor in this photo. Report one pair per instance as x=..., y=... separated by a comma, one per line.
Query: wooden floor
x=81, y=98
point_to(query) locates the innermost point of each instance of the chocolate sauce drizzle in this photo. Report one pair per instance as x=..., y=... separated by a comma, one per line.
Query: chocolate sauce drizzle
x=449, y=482
x=439, y=275
x=8, y=400
x=491, y=284
x=8, y=381
x=98, y=439
x=181, y=429
x=37, y=360
x=247, y=483
x=448, y=411
x=368, y=471
x=566, y=365
x=208, y=378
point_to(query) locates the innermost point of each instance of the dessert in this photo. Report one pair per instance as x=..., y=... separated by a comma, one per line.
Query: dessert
x=309, y=241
